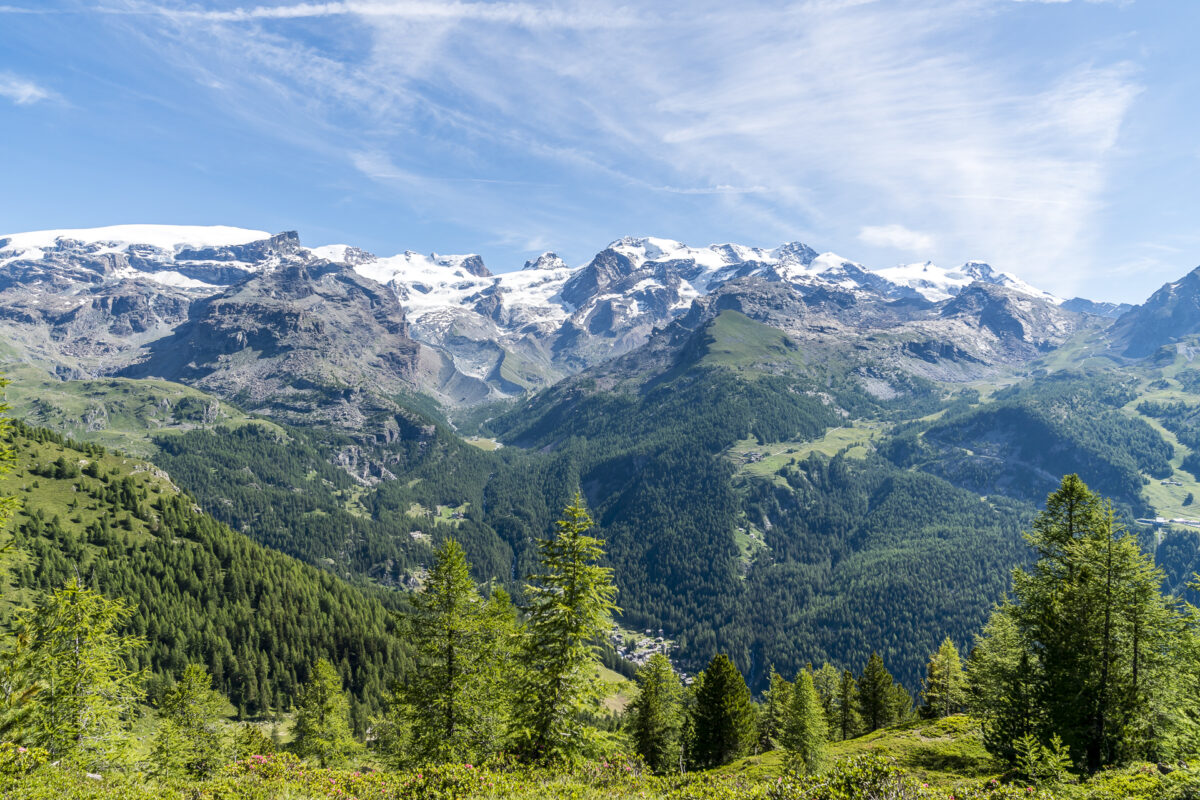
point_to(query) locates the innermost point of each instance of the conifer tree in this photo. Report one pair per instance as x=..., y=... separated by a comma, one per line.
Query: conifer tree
x=805, y=731
x=900, y=705
x=456, y=701
x=321, y=729
x=8, y=503
x=724, y=721
x=70, y=647
x=875, y=696
x=849, y=721
x=774, y=713
x=189, y=739
x=944, y=689
x=571, y=603
x=826, y=681
x=1107, y=656
x=658, y=715
x=1002, y=684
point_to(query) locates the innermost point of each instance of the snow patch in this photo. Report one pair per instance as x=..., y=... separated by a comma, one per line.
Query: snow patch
x=166, y=237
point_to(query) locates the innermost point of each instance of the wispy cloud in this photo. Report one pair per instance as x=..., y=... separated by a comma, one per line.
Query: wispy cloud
x=21, y=91
x=723, y=189
x=896, y=237
x=522, y=14
x=773, y=122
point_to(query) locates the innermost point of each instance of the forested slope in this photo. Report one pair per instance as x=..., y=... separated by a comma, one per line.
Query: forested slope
x=258, y=619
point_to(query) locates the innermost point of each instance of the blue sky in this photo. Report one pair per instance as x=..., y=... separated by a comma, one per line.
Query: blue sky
x=1056, y=140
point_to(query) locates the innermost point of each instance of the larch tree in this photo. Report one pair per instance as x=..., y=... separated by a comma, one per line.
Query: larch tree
x=826, y=681
x=944, y=690
x=805, y=730
x=570, y=607
x=456, y=700
x=657, y=715
x=775, y=708
x=71, y=647
x=189, y=739
x=875, y=694
x=1001, y=685
x=321, y=728
x=849, y=721
x=1109, y=656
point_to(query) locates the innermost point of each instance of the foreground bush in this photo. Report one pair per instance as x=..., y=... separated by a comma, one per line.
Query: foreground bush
x=25, y=776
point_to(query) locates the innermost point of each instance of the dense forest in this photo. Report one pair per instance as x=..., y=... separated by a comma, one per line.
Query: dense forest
x=255, y=618
x=651, y=454
x=1087, y=668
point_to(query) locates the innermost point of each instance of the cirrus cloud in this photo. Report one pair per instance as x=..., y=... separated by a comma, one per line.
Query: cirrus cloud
x=21, y=91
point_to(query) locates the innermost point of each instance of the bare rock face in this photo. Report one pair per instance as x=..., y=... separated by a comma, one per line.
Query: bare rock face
x=1167, y=318
x=307, y=338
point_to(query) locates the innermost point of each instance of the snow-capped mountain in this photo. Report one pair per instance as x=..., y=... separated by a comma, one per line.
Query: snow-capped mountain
x=935, y=283
x=180, y=256
x=110, y=291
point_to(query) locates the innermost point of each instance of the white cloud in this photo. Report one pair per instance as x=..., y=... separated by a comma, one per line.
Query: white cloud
x=896, y=237
x=21, y=91
x=522, y=14
x=818, y=116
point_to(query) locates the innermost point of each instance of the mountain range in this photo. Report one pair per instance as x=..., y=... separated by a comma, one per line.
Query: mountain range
x=791, y=456
x=92, y=301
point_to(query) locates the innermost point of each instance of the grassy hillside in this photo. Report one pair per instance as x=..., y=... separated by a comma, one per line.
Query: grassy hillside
x=943, y=752
x=202, y=594
x=119, y=413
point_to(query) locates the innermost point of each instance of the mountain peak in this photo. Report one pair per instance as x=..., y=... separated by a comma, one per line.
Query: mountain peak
x=547, y=260
x=796, y=252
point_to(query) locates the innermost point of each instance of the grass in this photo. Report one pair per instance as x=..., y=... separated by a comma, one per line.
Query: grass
x=619, y=690
x=1087, y=348
x=734, y=340
x=940, y=752
x=853, y=439
x=443, y=514
x=750, y=541
x=483, y=443
x=53, y=497
x=1167, y=501
x=119, y=413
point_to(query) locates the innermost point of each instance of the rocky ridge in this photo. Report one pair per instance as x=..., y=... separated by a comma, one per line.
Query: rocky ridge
x=247, y=313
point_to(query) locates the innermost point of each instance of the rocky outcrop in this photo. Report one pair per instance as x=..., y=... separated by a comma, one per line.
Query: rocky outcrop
x=1169, y=316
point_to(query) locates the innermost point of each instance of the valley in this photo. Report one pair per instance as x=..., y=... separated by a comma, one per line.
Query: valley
x=789, y=458
x=303, y=397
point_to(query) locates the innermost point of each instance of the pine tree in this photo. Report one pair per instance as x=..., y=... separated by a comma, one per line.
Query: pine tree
x=189, y=739
x=657, y=716
x=86, y=695
x=321, y=729
x=456, y=701
x=875, y=696
x=724, y=723
x=849, y=721
x=774, y=713
x=805, y=731
x=944, y=689
x=570, y=608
